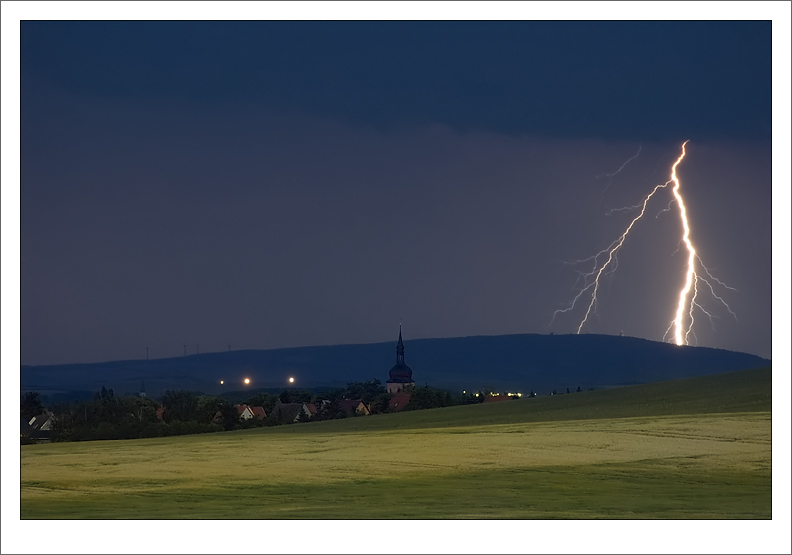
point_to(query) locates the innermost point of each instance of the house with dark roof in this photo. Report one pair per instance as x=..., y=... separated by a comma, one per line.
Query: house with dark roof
x=290, y=413
x=246, y=412
x=41, y=427
x=398, y=401
x=400, y=376
x=354, y=407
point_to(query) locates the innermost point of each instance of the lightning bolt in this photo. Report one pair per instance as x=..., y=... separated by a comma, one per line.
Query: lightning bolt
x=682, y=324
x=692, y=278
x=680, y=335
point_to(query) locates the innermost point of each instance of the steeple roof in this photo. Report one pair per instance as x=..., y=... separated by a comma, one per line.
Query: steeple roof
x=400, y=373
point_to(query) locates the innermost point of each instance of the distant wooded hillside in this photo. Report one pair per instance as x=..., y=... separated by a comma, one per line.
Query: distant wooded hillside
x=541, y=363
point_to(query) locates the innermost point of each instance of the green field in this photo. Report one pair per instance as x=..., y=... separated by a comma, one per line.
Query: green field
x=696, y=448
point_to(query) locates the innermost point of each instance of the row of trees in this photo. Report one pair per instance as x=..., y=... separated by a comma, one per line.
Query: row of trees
x=111, y=418
x=107, y=416
x=374, y=394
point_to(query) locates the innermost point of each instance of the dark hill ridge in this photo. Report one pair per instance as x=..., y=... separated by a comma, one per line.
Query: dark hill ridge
x=514, y=362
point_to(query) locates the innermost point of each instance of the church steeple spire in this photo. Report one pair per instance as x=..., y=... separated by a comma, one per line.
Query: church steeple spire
x=401, y=374
x=400, y=349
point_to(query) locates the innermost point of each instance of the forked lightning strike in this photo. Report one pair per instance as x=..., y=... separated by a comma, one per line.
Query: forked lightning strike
x=684, y=317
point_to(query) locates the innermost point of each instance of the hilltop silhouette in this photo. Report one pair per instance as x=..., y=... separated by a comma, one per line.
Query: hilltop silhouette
x=522, y=362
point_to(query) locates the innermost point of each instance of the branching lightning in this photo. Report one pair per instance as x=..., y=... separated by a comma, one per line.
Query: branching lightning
x=605, y=262
x=617, y=172
x=592, y=279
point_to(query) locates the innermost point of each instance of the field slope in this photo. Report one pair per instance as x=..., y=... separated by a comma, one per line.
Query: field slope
x=693, y=448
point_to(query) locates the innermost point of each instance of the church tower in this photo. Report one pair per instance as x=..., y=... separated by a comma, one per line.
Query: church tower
x=400, y=376
x=400, y=349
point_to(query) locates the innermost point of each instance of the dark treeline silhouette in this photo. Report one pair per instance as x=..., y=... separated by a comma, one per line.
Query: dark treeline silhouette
x=106, y=417
x=178, y=412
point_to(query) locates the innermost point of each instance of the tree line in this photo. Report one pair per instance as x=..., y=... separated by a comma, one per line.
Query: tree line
x=108, y=416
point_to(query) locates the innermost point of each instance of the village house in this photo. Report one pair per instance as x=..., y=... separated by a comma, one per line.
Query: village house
x=290, y=413
x=245, y=412
x=259, y=412
x=39, y=427
x=398, y=401
x=354, y=407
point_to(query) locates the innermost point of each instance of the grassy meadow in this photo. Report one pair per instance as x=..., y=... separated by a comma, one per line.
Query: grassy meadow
x=695, y=448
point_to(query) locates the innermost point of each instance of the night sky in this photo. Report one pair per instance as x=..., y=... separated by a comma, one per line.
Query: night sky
x=273, y=184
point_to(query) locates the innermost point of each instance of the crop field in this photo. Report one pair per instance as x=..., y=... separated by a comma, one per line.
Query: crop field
x=697, y=448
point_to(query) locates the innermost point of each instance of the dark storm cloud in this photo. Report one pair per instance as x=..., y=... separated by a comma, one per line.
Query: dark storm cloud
x=619, y=79
x=265, y=231
x=278, y=184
